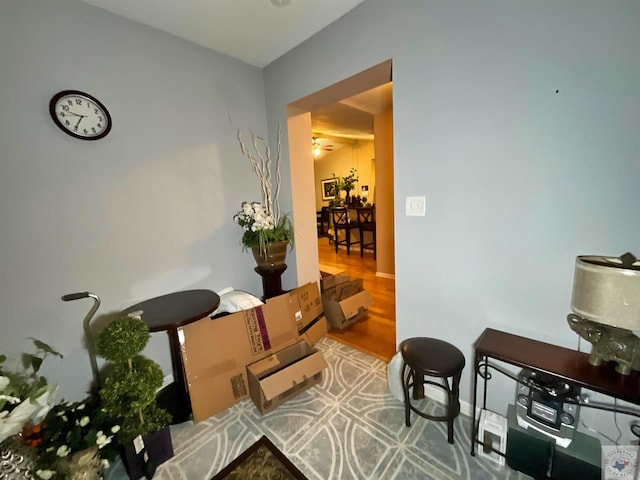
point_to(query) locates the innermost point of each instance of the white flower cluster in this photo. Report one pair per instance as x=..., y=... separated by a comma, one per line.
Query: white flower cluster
x=254, y=217
x=4, y=383
x=103, y=440
x=65, y=450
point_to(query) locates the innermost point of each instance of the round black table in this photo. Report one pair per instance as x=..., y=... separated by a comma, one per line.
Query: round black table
x=168, y=313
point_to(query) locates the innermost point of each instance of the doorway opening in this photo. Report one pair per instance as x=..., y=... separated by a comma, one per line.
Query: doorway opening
x=345, y=128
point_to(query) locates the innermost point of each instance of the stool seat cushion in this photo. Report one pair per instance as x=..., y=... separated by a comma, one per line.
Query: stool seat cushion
x=434, y=357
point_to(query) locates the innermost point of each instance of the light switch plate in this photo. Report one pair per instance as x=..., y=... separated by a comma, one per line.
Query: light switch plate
x=416, y=206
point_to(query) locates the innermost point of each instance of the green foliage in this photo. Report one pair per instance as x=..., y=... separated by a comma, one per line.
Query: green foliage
x=282, y=231
x=73, y=427
x=129, y=389
x=261, y=226
x=154, y=419
x=26, y=383
x=336, y=202
x=123, y=338
x=347, y=183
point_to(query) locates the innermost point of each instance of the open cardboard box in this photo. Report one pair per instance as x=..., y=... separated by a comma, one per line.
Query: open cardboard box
x=284, y=374
x=345, y=302
x=331, y=281
x=216, y=352
x=310, y=320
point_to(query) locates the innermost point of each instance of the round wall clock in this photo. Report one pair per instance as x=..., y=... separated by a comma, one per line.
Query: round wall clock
x=80, y=115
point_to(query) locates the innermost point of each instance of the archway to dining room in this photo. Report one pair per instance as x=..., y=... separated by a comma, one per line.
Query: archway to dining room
x=329, y=114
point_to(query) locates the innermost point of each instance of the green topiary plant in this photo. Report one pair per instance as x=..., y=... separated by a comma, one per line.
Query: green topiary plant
x=128, y=393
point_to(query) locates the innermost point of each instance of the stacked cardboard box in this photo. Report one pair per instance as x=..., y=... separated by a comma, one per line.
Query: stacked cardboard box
x=217, y=353
x=344, y=301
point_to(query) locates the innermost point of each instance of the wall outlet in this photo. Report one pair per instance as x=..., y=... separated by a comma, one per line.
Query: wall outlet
x=416, y=206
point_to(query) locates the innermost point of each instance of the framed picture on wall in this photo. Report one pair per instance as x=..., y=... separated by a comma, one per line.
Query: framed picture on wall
x=328, y=188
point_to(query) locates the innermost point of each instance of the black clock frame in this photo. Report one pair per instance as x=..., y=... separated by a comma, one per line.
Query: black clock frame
x=52, y=112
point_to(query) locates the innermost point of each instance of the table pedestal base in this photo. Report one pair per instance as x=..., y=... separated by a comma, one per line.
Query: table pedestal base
x=271, y=281
x=173, y=400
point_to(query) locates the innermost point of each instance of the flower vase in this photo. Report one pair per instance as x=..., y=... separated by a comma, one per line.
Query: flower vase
x=273, y=256
x=85, y=465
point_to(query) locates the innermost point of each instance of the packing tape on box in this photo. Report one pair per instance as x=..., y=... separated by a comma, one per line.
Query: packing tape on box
x=311, y=324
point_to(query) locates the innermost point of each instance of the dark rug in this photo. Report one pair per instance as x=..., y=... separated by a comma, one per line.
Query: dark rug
x=261, y=461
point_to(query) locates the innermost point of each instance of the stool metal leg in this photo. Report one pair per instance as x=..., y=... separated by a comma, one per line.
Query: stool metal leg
x=450, y=404
x=406, y=380
x=453, y=407
x=418, y=384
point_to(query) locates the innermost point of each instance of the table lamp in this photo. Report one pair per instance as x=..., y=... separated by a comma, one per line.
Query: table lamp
x=606, y=309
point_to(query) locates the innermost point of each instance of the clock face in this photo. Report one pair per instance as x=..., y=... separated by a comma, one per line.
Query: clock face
x=80, y=115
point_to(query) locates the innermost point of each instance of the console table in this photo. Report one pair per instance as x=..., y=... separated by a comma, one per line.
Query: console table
x=566, y=364
x=168, y=313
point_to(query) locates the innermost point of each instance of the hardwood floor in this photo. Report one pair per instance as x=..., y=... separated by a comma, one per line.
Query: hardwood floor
x=376, y=333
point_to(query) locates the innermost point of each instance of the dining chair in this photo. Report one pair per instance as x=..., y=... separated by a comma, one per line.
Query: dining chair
x=367, y=223
x=341, y=222
x=323, y=222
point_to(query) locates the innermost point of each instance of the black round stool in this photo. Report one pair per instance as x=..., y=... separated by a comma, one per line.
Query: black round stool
x=434, y=358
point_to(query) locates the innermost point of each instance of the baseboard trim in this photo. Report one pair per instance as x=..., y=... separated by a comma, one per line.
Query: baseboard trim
x=386, y=275
x=440, y=396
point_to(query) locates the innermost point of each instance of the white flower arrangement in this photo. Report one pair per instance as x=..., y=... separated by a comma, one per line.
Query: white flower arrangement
x=31, y=409
x=25, y=396
x=73, y=428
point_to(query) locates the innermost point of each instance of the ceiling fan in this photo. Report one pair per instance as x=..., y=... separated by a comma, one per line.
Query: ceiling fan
x=319, y=145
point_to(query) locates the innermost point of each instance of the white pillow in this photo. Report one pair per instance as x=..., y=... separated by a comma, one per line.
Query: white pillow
x=232, y=301
x=394, y=377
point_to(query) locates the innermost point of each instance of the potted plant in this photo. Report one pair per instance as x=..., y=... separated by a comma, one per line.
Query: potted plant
x=346, y=184
x=267, y=232
x=128, y=395
x=78, y=440
x=25, y=399
x=267, y=237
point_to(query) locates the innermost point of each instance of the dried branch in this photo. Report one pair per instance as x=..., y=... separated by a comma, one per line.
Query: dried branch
x=262, y=164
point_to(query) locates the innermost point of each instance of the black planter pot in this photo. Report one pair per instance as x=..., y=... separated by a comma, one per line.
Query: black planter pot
x=157, y=450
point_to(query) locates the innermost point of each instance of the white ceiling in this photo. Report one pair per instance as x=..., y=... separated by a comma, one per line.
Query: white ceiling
x=258, y=32
x=254, y=31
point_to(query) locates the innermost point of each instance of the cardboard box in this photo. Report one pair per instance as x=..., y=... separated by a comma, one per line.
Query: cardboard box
x=216, y=352
x=284, y=374
x=346, y=303
x=310, y=320
x=331, y=281
x=313, y=332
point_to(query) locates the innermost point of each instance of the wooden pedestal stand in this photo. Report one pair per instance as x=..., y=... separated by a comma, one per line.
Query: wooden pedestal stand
x=271, y=281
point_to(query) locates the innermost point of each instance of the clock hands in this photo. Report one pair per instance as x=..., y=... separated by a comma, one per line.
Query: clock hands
x=76, y=115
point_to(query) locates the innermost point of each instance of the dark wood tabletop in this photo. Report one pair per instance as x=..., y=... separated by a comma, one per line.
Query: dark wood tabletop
x=567, y=364
x=176, y=309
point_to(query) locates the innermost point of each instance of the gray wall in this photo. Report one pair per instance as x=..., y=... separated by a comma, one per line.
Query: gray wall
x=519, y=123
x=519, y=179
x=143, y=212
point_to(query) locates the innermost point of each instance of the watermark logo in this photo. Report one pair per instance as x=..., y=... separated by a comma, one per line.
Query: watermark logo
x=619, y=462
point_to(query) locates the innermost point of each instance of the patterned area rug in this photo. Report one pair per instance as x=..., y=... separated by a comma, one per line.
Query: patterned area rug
x=261, y=461
x=348, y=427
